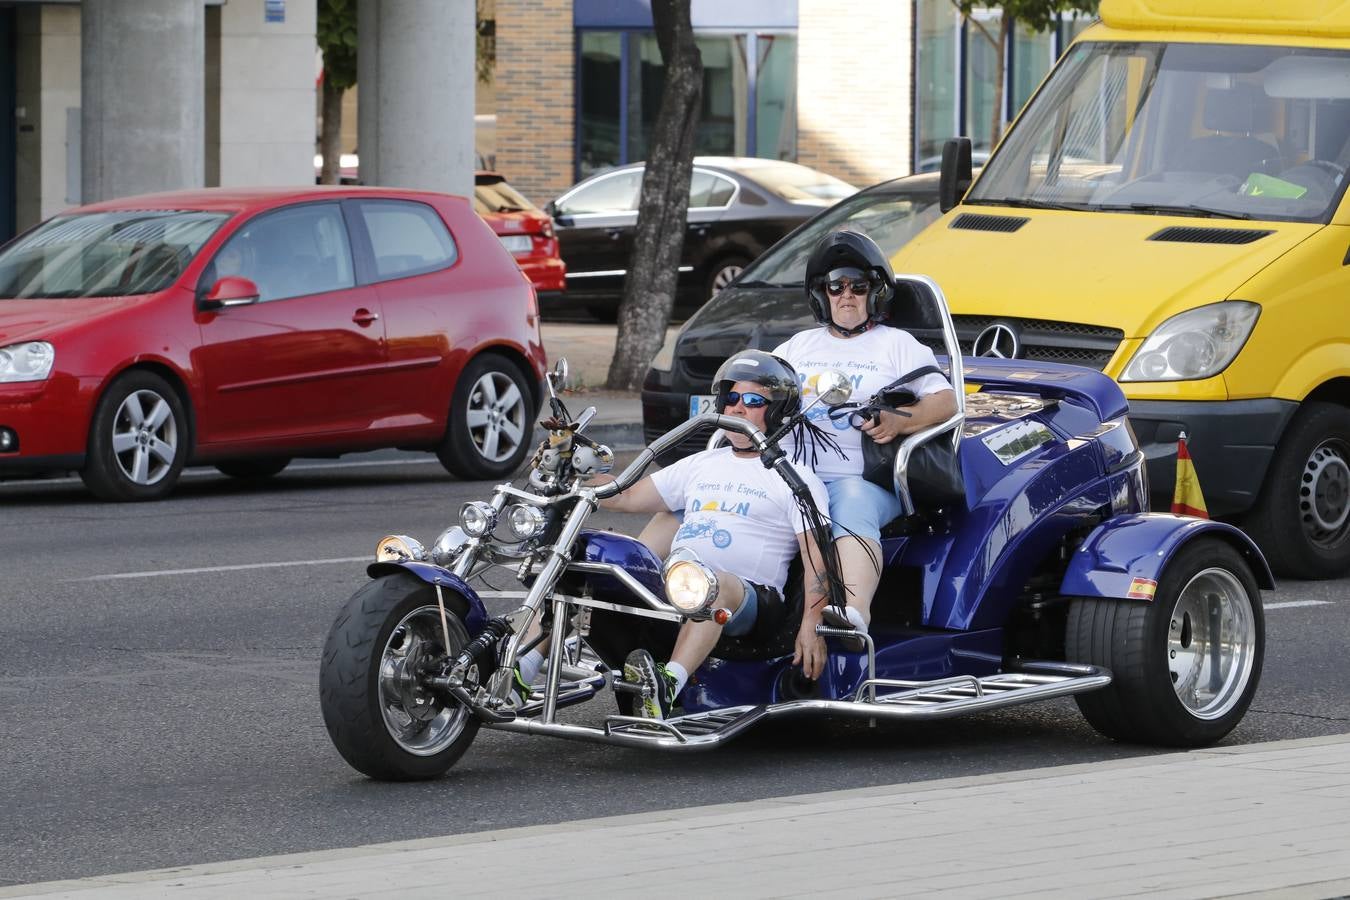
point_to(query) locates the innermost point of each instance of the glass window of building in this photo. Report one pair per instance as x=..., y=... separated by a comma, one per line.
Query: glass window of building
x=748, y=101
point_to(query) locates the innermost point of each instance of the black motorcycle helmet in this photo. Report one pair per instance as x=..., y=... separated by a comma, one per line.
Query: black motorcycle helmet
x=774, y=375
x=849, y=254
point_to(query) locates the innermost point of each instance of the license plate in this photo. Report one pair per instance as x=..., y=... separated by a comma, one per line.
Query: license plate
x=516, y=243
x=700, y=404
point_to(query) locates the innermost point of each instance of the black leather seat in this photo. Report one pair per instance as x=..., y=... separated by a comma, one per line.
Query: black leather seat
x=1237, y=115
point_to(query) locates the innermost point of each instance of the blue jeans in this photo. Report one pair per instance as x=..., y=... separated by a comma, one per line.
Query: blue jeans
x=861, y=506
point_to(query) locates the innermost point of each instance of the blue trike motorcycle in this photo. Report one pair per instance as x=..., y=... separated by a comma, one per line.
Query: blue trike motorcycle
x=1048, y=578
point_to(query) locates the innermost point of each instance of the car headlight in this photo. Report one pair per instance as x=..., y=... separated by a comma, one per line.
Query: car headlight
x=525, y=521
x=477, y=517
x=1198, y=343
x=399, y=548
x=448, y=546
x=29, y=361
x=691, y=587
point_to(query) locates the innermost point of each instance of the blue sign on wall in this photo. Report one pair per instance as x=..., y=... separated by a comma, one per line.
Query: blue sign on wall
x=274, y=11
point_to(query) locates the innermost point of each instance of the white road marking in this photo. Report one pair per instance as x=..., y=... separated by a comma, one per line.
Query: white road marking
x=210, y=472
x=1289, y=604
x=116, y=576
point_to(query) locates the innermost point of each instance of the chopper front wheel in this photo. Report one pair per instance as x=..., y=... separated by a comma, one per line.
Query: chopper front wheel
x=380, y=716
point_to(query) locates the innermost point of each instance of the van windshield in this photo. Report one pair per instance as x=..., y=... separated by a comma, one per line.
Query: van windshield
x=1207, y=130
x=105, y=254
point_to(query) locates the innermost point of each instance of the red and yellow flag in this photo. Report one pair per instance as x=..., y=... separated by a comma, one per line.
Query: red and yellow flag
x=1187, y=499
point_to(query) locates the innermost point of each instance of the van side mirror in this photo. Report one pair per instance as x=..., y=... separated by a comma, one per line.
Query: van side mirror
x=231, y=290
x=955, y=178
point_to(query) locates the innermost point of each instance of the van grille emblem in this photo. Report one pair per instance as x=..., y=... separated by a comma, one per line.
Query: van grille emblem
x=998, y=341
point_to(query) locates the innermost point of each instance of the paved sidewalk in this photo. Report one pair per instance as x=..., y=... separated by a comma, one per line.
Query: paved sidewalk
x=1268, y=820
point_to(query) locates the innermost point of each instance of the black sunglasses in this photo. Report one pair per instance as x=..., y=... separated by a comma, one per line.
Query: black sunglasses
x=860, y=287
x=752, y=401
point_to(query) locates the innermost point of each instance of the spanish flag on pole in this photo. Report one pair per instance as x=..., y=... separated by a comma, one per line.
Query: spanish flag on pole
x=1187, y=499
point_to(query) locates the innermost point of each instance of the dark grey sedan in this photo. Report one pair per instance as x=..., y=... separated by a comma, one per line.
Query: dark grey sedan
x=738, y=207
x=766, y=304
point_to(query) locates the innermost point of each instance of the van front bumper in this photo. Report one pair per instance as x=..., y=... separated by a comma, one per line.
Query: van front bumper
x=1231, y=442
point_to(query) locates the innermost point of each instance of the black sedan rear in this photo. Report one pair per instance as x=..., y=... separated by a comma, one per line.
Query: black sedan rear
x=738, y=207
x=766, y=304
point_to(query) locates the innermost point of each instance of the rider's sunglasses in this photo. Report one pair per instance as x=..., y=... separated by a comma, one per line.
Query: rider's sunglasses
x=752, y=401
x=859, y=287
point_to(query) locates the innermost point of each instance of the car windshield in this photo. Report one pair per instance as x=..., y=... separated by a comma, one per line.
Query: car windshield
x=798, y=183
x=888, y=218
x=1204, y=130
x=498, y=197
x=104, y=254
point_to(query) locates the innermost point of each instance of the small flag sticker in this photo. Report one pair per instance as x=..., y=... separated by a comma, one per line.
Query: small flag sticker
x=1142, y=589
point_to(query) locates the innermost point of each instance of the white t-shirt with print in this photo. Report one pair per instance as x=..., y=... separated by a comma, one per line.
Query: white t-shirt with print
x=871, y=360
x=739, y=517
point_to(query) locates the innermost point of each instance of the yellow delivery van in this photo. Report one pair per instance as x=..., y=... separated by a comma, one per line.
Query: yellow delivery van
x=1171, y=208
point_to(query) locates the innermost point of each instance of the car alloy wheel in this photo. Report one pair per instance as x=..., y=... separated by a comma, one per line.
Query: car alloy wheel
x=496, y=417
x=145, y=437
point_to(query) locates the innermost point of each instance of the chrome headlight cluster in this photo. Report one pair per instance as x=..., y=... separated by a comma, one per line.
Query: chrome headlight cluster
x=691, y=586
x=448, y=546
x=29, y=361
x=1198, y=343
x=399, y=548
x=477, y=518
x=525, y=521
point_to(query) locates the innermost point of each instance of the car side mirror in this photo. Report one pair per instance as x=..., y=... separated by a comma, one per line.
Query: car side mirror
x=955, y=178
x=231, y=290
x=551, y=209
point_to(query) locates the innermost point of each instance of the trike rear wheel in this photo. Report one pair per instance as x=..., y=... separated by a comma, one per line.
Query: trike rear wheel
x=1185, y=665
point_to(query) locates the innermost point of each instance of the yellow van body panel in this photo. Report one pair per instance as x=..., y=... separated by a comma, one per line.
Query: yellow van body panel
x=1094, y=269
x=1264, y=17
x=1302, y=339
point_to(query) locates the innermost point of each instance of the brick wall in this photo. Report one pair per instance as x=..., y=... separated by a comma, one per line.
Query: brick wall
x=535, y=106
x=854, y=88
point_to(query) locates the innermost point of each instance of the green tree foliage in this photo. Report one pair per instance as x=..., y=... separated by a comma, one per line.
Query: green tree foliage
x=1037, y=15
x=337, y=42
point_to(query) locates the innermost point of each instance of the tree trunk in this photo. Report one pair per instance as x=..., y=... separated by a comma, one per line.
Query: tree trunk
x=1000, y=81
x=653, y=269
x=330, y=136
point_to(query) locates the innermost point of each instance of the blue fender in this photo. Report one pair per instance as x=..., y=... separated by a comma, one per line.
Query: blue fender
x=473, y=613
x=626, y=552
x=1125, y=556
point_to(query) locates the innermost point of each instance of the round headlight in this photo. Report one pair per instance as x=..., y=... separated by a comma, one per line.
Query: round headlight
x=690, y=586
x=525, y=521
x=448, y=546
x=399, y=548
x=477, y=517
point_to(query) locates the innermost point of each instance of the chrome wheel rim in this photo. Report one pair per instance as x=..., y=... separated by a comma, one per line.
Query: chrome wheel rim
x=145, y=437
x=1211, y=643
x=415, y=719
x=724, y=277
x=496, y=416
x=1324, y=494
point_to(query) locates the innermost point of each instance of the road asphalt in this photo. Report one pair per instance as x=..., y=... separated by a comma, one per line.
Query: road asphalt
x=1256, y=820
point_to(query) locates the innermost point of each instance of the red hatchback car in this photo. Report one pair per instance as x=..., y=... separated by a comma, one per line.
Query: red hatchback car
x=524, y=229
x=242, y=328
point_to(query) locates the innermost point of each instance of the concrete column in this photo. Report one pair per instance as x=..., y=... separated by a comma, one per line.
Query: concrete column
x=142, y=80
x=415, y=66
x=47, y=88
x=267, y=73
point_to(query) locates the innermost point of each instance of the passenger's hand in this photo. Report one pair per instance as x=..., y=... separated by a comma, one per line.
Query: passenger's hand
x=886, y=427
x=810, y=651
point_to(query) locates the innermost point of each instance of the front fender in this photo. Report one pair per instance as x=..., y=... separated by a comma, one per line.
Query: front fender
x=474, y=614
x=1125, y=556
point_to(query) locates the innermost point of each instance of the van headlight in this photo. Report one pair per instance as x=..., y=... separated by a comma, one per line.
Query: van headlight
x=691, y=586
x=399, y=548
x=477, y=517
x=29, y=361
x=1198, y=343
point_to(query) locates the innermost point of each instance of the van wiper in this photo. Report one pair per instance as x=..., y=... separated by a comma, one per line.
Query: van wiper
x=1022, y=203
x=1202, y=212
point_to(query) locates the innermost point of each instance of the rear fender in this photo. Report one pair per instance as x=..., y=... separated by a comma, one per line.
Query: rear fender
x=460, y=599
x=1125, y=556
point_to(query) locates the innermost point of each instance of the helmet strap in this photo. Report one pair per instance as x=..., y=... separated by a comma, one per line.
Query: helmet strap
x=850, y=332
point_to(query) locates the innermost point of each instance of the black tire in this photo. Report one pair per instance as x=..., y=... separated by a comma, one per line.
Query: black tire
x=139, y=440
x=721, y=273
x=392, y=620
x=1302, y=519
x=254, y=469
x=492, y=403
x=1157, y=651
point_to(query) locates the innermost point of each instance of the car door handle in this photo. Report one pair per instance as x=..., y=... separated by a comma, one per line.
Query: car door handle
x=364, y=317
x=699, y=230
x=614, y=233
